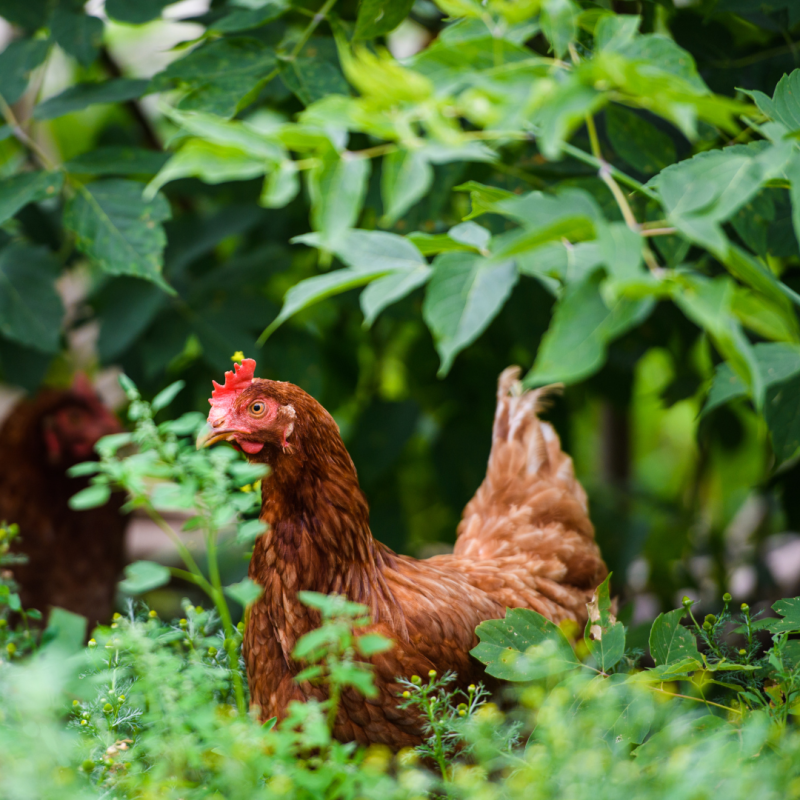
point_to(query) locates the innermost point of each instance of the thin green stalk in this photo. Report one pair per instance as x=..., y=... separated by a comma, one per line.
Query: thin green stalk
x=627, y=180
x=438, y=734
x=311, y=27
x=218, y=597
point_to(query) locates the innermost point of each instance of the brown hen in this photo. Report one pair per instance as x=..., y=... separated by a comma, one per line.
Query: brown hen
x=525, y=540
x=74, y=558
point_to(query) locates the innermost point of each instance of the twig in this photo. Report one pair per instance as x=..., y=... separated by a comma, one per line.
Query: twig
x=658, y=231
x=22, y=136
x=627, y=180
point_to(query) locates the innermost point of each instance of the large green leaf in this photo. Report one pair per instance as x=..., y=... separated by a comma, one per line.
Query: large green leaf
x=79, y=34
x=379, y=17
x=117, y=229
x=361, y=249
x=16, y=63
x=244, y=19
x=390, y=289
x=117, y=160
x=637, y=141
x=30, y=307
x=27, y=187
x=314, y=73
x=406, y=176
x=583, y=325
x=320, y=287
x=559, y=22
x=212, y=163
x=337, y=188
x=135, y=12
x=465, y=293
x=83, y=95
x=221, y=76
x=142, y=576
x=670, y=642
x=782, y=412
x=524, y=646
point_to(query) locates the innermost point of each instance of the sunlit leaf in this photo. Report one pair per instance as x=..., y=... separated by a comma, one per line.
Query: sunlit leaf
x=142, y=576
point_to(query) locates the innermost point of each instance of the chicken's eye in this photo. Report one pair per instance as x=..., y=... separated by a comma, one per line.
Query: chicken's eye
x=258, y=408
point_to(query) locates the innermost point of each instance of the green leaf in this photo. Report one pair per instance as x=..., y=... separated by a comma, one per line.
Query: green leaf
x=92, y=496
x=789, y=609
x=390, y=289
x=244, y=592
x=604, y=636
x=117, y=161
x=27, y=187
x=637, y=141
x=135, y=12
x=785, y=105
x=371, y=644
x=247, y=19
x=483, y=198
x=465, y=293
x=142, y=576
x=782, y=412
x=315, y=73
x=83, y=95
x=17, y=61
x=281, y=186
x=367, y=250
x=524, y=646
x=249, y=531
x=119, y=230
x=406, y=176
x=65, y=632
x=379, y=17
x=221, y=77
x=559, y=21
x=78, y=34
x=211, y=163
x=313, y=290
x=574, y=346
x=166, y=396
x=86, y=468
x=30, y=307
x=670, y=642
x=614, y=31
x=337, y=188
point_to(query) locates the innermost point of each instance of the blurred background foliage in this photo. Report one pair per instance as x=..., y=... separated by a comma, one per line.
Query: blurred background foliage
x=684, y=502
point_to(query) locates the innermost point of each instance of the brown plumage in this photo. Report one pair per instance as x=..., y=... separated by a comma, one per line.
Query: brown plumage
x=525, y=540
x=74, y=557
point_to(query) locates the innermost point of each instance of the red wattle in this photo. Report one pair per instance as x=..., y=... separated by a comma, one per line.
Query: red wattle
x=251, y=447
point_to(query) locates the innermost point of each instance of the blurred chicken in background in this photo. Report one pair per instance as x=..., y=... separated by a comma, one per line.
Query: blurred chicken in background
x=74, y=558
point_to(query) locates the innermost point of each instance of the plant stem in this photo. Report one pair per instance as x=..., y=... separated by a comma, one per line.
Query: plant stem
x=696, y=699
x=627, y=180
x=23, y=138
x=310, y=28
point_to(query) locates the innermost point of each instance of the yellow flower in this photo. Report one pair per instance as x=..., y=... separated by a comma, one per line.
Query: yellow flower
x=238, y=356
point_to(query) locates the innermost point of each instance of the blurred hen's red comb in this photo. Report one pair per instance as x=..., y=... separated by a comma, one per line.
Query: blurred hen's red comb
x=236, y=381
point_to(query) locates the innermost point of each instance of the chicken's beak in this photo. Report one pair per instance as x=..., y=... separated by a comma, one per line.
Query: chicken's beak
x=209, y=436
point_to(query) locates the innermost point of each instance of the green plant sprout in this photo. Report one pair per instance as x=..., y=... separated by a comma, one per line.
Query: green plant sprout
x=167, y=473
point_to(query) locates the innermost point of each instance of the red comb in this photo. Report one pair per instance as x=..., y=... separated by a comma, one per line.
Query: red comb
x=235, y=382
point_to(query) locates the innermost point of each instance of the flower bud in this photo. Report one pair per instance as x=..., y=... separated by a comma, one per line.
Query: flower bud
x=92, y=643
x=406, y=694
x=117, y=616
x=687, y=601
x=742, y=652
x=108, y=708
x=75, y=703
x=212, y=651
x=121, y=698
x=710, y=619
x=431, y=673
x=3, y=623
x=87, y=765
x=416, y=680
x=745, y=607
x=183, y=623
x=84, y=722
x=240, y=627
x=152, y=613
x=11, y=648
x=726, y=598
x=198, y=609
x=707, y=626
x=471, y=687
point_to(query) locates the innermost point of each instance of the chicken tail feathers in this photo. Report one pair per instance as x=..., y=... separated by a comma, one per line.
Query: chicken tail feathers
x=530, y=496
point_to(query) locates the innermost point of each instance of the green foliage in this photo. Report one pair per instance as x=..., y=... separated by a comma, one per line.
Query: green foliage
x=631, y=180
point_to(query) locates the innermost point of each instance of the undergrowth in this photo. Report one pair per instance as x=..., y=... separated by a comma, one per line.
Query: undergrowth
x=154, y=708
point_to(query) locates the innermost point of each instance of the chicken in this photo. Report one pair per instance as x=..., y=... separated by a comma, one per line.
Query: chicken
x=525, y=540
x=74, y=558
